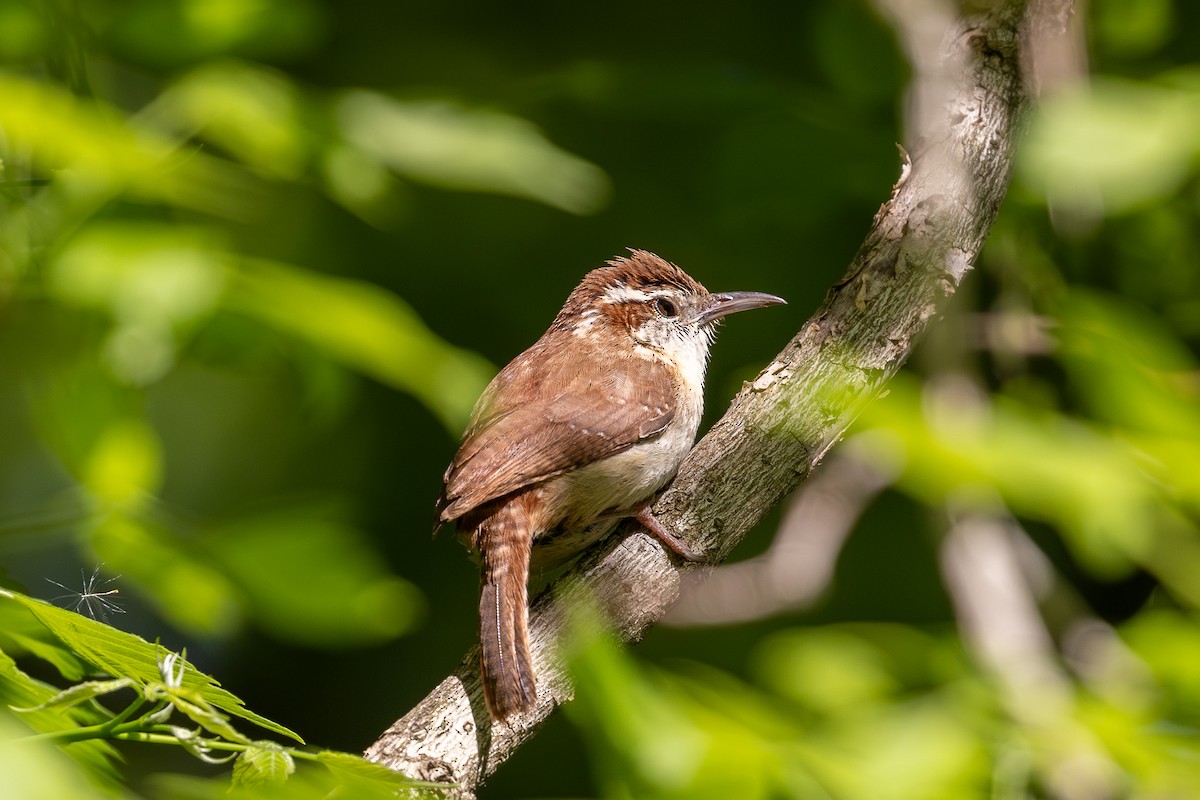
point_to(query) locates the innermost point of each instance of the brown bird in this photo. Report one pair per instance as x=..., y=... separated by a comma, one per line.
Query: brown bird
x=587, y=424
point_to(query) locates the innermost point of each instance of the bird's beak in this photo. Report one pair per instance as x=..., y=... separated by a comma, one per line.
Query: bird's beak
x=725, y=303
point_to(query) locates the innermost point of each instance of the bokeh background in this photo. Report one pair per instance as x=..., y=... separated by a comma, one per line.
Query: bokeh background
x=258, y=258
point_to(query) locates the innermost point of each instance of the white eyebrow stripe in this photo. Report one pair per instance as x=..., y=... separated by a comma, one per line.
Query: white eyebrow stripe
x=626, y=294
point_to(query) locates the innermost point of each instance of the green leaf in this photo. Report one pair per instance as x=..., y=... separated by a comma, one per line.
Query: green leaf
x=41, y=770
x=154, y=281
x=265, y=762
x=251, y=112
x=1167, y=642
x=334, y=775
x=367, y=328
x=125, y=467
x=170, y=34
x=454, y=147
x=168, y=275
x=122, y=654
x=357, y=771
x=197, y=708
x=80, y=692
x=21, y=690
x=96, y=148
x=1130, y=30
x=706, y=735
x=1089, y=484
x=20, y=632
x=1128, y=367
x=59, y=657
x=1112, y=146
x=314, y=580
x=826, y=669
x=643, y=734
x=78, y=405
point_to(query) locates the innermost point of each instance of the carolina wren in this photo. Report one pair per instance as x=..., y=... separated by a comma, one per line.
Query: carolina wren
x=587, y=424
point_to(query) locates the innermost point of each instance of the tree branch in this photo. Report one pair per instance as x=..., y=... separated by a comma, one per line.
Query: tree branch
x=998, y=615
x=798, y=567
x=922, y=242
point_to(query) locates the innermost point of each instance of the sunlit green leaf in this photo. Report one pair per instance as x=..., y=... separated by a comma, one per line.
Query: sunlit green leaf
x=868, y=743
x=152, y=280
x=1112, y=146
x=925, y=748
x=653, y=739
x=81, y=692
x=333, y=774
x=253, y=113
x=75, y=407
x=454, y=147
x=22, y=31
x=192, y=703
x=42, y=770
x=174, y=32
x=168, y=274
x=314, y=580
x=828, y=670
x=265, y=762
x=1168, y=643
x=369, y=329
x=362, y=184
x=357, y=772
x=1133, y=374
x=17, y=689
x=125, y=468
x=51, y=120
x=1128, y=369
x=1163, y=759
x=21, y=633
x=95, y=151
x=122, y=654
x=875, y=722
x=1131, y=27
x=958, y=444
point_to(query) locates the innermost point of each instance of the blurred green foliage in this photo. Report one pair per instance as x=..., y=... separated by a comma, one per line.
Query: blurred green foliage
x=166, y=687
x=257, y=259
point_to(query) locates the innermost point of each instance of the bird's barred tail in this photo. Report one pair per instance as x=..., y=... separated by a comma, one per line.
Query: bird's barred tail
x=504, y=541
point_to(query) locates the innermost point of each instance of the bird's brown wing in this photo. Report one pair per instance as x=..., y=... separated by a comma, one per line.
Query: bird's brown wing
x=565, y=418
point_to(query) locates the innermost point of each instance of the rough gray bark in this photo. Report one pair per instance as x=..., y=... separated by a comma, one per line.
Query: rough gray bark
x=924, y=239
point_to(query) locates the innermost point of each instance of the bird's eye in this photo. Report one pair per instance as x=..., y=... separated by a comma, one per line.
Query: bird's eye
x=666, y=308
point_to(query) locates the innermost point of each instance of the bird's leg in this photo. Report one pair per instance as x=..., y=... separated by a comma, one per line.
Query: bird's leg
x=670, y=540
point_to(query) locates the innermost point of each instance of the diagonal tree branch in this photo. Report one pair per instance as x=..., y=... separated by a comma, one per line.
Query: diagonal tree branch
x=969, y=100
